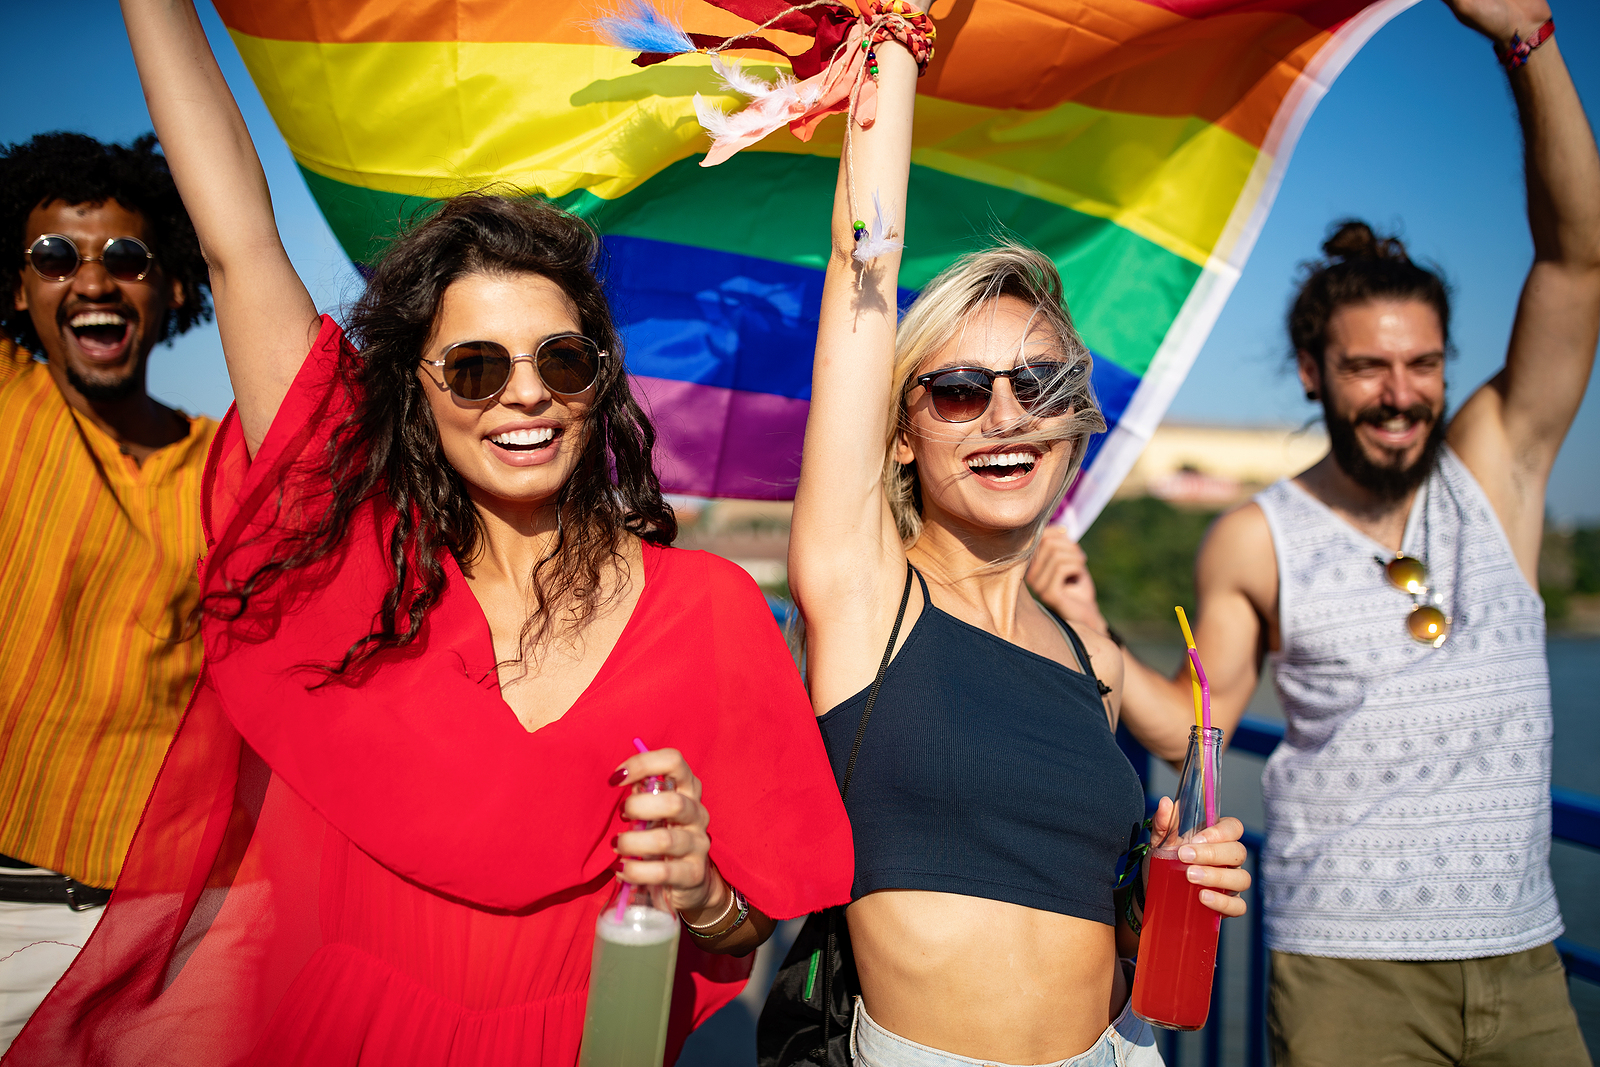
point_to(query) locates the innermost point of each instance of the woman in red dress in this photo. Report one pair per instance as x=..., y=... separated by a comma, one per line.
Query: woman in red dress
x=439, y=606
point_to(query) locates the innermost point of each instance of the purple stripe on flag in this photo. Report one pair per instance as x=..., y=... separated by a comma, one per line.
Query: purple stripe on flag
x=719, y=442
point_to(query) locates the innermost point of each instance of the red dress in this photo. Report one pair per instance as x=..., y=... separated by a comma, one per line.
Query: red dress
x=394, y=871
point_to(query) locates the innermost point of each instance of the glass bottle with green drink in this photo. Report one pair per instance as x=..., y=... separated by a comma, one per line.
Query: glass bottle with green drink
x=630, y=979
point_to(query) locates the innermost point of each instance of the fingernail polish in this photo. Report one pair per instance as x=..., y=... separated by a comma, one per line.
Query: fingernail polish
x=618, y=776
x=617, y=866
x=614, y=839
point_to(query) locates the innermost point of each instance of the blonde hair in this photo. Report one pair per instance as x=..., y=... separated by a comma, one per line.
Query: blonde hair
x=940, y=314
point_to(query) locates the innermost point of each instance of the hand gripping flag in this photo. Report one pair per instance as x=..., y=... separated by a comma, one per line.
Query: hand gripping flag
x=1139, y=143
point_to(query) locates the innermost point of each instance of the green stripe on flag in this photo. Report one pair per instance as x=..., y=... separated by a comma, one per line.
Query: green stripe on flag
x=1123, y=290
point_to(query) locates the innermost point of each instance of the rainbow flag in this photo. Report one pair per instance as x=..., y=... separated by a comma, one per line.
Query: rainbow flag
x=1139, y=143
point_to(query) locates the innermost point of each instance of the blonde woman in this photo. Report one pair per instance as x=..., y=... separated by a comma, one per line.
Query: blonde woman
x=989, y=802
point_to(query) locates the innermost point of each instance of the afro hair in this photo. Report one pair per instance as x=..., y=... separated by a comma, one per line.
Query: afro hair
x=78, y=169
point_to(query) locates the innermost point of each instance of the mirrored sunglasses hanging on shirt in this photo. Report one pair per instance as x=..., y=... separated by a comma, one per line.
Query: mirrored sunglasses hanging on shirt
x=1426, y=622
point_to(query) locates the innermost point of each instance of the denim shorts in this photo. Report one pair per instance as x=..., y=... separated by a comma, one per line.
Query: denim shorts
x=1127, y=1042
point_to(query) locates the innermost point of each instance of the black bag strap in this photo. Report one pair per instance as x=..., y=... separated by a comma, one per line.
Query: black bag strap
x=821, y=1053
x=877, y=683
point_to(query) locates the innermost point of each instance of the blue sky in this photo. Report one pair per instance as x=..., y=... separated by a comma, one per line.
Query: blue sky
x=1418, y=135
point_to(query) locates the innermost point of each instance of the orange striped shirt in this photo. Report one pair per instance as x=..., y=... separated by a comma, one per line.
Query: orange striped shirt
x=97, y=580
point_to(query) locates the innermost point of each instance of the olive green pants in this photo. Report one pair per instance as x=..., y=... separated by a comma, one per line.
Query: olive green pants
x=1501, y=1010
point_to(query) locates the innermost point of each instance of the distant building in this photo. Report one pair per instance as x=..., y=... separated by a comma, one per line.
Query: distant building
x=1219, y=466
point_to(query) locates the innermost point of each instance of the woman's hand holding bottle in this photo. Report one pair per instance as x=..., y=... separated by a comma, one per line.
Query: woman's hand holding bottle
x=672, y=849
x=1215, y=856
x=666, y=843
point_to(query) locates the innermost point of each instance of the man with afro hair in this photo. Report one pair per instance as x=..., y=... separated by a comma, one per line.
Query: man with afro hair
x=99, y=532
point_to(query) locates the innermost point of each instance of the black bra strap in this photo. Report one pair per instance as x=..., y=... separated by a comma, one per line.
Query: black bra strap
x=926, y=599
x=877, y=683
x=1080, y=651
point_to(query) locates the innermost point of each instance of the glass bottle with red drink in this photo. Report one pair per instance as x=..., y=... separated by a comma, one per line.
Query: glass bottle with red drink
x=1178, y=945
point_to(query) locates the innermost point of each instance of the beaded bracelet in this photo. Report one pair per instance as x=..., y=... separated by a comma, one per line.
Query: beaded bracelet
x=901, y=21
x=1516, y=53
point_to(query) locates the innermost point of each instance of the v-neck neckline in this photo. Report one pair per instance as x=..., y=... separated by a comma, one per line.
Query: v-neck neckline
x=1384, y=552
x=109, y=451
x=650, y=560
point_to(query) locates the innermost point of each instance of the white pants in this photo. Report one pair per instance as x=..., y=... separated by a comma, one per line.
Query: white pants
x=37, y=944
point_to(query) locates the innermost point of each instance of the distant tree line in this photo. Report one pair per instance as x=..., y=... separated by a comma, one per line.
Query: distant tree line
x=1141, y=553
x=1569, y=577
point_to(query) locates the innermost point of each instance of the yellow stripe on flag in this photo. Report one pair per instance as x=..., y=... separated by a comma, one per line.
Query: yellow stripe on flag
x=459, y=115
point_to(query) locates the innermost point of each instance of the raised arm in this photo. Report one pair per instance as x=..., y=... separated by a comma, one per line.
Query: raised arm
x=1236, y=587
x=267, y=319
x=846, y=563
x=1510, y=431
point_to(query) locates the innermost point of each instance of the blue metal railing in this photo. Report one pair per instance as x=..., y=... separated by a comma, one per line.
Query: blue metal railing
x=1575, y=818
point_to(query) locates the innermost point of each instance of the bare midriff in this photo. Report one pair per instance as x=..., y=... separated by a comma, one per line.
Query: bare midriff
x=985, y=979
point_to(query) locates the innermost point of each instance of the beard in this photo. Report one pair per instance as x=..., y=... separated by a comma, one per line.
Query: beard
x=1390, y=481
x=106, y=388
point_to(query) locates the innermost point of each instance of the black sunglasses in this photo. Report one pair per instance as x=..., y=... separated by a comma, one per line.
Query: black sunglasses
x=961, y=394
x=55, y=258
x=567, y=363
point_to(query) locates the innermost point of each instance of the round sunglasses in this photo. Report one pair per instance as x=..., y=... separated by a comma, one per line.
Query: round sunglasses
x=962, y=394
x=567, y=363
x=1426, y=622
x=55, y=258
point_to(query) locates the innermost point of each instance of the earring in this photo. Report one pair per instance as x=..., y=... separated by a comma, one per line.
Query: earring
x=1311, y=394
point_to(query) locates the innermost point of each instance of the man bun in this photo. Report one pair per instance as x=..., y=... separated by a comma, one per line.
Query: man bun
x=1359, y=266
x=1353, y=239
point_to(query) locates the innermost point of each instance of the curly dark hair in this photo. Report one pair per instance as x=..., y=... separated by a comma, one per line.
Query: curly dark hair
x=78, y=169
x=389, y=446
x=1359, y=266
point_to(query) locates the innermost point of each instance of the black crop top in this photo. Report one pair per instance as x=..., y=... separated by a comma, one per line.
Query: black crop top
x=986, y=770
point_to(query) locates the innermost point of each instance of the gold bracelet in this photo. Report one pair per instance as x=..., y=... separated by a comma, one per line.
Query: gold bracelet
x=732, y=900
x=710, y=933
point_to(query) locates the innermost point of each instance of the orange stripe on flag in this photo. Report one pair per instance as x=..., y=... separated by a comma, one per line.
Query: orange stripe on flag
x=1117, y=55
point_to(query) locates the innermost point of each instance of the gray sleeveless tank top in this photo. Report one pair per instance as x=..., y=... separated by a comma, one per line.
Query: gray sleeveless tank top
x=1408, y=808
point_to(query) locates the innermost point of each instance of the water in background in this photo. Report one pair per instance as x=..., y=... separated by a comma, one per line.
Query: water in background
x=728, y=1038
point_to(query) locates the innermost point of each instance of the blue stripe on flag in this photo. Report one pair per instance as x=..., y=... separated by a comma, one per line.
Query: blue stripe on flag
x=1114, y=388
x=714, y=318
x=740, y=322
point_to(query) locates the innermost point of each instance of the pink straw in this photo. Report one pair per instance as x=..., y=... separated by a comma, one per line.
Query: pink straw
x=1207, y=785
x=622, y=897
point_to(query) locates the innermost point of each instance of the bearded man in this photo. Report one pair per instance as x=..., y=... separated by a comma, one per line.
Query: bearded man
x=99, y=533
x=1407, y=894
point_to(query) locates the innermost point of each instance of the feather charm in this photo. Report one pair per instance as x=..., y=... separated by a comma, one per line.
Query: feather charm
x=639, y=26
x=878, y=239
x=771, y=108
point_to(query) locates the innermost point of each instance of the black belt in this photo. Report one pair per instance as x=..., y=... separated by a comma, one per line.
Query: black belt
x=48, y=889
